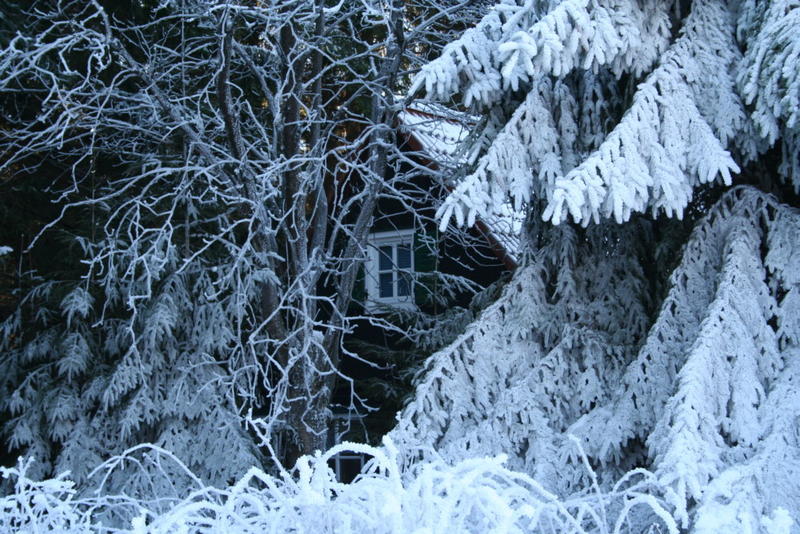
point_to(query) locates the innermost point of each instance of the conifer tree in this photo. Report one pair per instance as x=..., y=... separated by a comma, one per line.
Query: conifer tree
x=617, y=126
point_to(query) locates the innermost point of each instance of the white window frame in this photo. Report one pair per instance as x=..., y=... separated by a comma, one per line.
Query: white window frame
x=340, y=424
x=381, y=239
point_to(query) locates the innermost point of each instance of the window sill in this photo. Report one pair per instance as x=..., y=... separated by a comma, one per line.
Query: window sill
x=389, y=305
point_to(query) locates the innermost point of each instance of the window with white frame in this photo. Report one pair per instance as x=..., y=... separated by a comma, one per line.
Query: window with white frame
x=346, y=464
x=390, y=269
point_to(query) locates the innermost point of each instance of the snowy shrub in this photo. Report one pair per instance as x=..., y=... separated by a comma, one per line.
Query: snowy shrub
x=476, y=495
x=38, y=507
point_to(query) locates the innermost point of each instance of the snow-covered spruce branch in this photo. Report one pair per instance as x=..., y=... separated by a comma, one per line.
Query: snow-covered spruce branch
x=517, y=41
x=768, y=80
x=567, y=144
x=700, y=397
x=671, y=139
x=647, y=162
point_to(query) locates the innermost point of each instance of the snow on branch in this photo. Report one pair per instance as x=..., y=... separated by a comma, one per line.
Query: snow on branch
x=685, y=124
x=701, y=396
x=516, y=41
x=626, y=36
x=769, y=78
x=712, y=365
x=659, y=152
x=471, y=496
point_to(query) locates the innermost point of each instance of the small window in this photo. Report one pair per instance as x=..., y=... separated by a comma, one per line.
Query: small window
x=390, y=269
x=347, y=464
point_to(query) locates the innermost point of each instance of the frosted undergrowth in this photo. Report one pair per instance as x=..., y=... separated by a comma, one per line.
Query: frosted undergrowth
x=475, y=495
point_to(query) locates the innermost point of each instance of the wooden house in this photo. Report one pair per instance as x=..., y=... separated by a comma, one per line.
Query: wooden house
x=409, y=269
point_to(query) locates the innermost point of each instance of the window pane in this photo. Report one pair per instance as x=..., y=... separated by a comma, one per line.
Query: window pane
x=404, y=256
x=349, y=468
x=385, y=258
x=404, y=285
x=385, y=284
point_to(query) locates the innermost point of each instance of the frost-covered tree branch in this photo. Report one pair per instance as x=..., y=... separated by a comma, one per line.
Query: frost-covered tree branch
x=220, y=163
